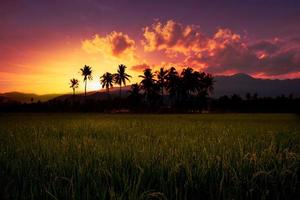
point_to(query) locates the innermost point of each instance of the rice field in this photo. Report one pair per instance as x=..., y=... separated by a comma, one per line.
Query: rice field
x=97, y=156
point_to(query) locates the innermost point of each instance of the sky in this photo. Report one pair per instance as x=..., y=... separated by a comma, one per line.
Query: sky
x=44, y=43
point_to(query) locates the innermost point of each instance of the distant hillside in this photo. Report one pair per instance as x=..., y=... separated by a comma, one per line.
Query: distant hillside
x=96, y=95
x=26, y=97
x=241, y=84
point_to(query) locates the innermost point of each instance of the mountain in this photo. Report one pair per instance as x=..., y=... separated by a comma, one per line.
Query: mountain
x=241, y=84
x=27, y=97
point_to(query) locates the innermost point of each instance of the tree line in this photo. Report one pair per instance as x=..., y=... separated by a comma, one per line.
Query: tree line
x=165, y=87
x=106, y=80
x=163, y=91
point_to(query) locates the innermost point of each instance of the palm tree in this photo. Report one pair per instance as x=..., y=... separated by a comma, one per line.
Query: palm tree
x=189, y=81
x=121, y=77
x=74, y=83
x=86, y=72
x=162, y=80
x=135, y=90
x=148, y=82
x=135, y=97
x=173, y=82
x=107, y=81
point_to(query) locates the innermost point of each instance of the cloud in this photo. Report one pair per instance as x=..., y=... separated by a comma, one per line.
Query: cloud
x=295, y=40
x=156, y=67
x=172, y=38
x=266, y=46
x=140, y=67
x=175, y=44
x=111, y=50
x=115, y=43
x=283, y=62
x=120, y=43
x=265, y=59
x=224, y=51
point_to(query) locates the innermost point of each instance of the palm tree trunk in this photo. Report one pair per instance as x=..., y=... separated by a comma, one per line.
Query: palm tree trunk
x=85, y=88
x=162, y=95
x=73, y=99
x=120, y=92
x=147, y=98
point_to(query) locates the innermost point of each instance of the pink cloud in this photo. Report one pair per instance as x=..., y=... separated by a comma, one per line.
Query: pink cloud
x=224, y=51
x=120, y=42
x=172, y=38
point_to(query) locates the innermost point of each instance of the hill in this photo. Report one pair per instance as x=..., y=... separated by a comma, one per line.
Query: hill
x=27, y=97
x=241, y=84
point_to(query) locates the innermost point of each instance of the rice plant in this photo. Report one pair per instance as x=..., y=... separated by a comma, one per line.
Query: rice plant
x=96, y=156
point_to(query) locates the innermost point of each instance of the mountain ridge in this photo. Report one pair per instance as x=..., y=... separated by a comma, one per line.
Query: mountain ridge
x=242, y=84
x=239, y=83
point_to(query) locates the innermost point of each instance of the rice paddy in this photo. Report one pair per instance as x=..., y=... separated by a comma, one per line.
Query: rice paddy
x=97, y=156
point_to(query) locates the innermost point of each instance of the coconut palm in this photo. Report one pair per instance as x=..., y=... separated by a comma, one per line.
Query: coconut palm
x=148, y=83
x=173, y=82
x=74, y=83
x=135, y=97
x=189, y=81
x=107, y=81
x=86, y=72
x=162, y=80
x=121, y=77
x=135, y=90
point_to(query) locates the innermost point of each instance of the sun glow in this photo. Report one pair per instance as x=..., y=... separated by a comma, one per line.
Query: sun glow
x=93, y=85
x=50, y=70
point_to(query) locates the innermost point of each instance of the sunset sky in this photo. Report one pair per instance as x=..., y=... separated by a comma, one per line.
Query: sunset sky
x=44, y=43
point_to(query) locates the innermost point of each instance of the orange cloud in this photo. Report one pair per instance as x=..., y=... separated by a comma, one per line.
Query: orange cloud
x=116, y=43
x=172, y=38
x=175, y=39
x=140, y=67
x=111, y=50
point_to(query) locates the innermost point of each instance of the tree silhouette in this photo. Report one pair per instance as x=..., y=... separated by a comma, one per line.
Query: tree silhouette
x=148, y=83
x=173, y=82
x=74, y=83
x=121, y=77
x=107, y=81
x=208, y=82
x=86, y=72
x=135, y=90
x=189, y=89
x=162, y=80
x=248, y=96
x=135, y=97
x=189, y=81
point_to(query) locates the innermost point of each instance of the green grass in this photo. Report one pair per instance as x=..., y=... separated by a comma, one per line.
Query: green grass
x=94, y=156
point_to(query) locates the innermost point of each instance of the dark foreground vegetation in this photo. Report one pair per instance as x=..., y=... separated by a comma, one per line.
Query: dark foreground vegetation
x=92, y=156
x=134, y=102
